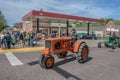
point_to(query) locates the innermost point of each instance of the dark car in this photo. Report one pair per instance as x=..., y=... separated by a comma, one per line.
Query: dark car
x=90, y=36
x=80, y=35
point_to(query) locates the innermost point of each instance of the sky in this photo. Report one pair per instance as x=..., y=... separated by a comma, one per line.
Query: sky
x=14, y=10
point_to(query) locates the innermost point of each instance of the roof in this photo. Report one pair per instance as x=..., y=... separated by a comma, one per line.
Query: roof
x=19, y=23
x=56, y=16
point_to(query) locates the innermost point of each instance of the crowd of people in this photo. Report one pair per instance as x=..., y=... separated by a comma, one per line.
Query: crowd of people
x=23, y=39
x=27, y=39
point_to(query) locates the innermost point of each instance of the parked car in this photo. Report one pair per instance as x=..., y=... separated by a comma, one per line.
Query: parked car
x=90, y=36
x=99, y=36
x=80, y=35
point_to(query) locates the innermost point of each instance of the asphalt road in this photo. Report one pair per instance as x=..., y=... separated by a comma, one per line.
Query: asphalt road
x=103, y=64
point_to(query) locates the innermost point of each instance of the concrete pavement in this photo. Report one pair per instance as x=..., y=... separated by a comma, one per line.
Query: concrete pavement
x=103, y=64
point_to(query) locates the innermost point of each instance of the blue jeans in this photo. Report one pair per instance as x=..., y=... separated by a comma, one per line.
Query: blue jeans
x=32, y=42
x=3, y=45
x=8, y=44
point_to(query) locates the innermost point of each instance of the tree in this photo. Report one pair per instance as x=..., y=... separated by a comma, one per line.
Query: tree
x=3, y=23
x=107, y=20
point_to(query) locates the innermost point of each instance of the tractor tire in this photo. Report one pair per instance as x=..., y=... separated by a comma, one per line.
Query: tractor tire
x=106, y=46
x=48, y=61
x=99, y=45
x=83, y=52
x=61, y=55
x=41, y=60
x=113, y=46
x=119, y=45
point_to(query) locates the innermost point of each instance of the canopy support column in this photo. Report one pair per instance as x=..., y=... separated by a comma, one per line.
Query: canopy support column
x=67, y=27
x=88, y=28
x=37, y=26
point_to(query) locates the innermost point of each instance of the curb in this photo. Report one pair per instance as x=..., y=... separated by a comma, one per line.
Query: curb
x=23, y=49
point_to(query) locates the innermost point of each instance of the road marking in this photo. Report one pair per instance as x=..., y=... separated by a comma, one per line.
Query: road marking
x=14, y=61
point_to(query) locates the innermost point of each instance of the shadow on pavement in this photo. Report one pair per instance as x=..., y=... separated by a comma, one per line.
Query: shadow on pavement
x=112, y=50
x=62, y=72
x=66, y=60
x=56, y=64
x=33, y=63
x=61, y=62
x=88, y=59
x=65, y=74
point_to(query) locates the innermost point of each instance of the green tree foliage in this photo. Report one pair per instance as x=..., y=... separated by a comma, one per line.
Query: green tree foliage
x=117, y=22
x=70, y=25
x=107, y=20
x=3, y=23
x=81, y=24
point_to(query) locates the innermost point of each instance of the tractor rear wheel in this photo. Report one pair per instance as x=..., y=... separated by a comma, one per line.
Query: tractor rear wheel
x=61, y=55
x=99, y=45
x=106, y=45
x=48, y=61
x=83, y=52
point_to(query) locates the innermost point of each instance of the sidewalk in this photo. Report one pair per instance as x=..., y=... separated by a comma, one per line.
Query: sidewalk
x=23, y=49
x=18, y=48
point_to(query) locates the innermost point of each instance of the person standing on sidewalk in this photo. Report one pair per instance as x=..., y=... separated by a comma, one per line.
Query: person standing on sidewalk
x=27, y=39
x=2, y=41
x=13, y=40
x=32, y=39
x=21, y=38
x=8, y=40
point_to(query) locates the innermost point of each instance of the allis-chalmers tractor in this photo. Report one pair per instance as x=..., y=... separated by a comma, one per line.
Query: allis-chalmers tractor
x=60, y=47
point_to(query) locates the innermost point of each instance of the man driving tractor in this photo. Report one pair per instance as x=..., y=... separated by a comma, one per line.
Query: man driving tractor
x=74, y=36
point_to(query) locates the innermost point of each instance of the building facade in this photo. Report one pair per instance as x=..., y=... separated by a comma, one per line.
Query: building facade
x=46, y=28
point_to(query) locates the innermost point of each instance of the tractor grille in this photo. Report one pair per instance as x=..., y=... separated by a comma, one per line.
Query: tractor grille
x=48, y=44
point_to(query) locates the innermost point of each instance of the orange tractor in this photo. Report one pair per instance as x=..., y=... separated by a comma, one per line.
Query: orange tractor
x=60, y=47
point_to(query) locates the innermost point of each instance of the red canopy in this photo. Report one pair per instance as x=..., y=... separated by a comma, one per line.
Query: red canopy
x=50, y=15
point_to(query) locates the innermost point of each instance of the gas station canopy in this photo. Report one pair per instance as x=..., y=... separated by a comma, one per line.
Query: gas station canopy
x=56, y=17
x=50, y=17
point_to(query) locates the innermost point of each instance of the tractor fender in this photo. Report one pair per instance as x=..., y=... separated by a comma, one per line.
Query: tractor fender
x=76, y=46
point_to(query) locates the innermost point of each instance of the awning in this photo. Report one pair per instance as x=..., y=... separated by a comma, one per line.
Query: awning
x=57, y=17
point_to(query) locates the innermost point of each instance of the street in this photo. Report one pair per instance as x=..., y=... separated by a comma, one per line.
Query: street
x=103, y=64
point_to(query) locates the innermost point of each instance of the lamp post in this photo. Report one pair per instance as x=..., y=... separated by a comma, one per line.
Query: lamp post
x=59, y=30
x=37, y=29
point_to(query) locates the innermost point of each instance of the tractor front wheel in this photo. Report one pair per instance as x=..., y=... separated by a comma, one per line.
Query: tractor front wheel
x=47, y=61
x=83, y=52
x=113, y=46
x=119, y=45
x=99, y=45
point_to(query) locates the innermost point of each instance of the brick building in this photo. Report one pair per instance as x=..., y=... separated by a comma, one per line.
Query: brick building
x=18, y=26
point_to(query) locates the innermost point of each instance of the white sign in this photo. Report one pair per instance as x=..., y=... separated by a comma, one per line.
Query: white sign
x=112, y=29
